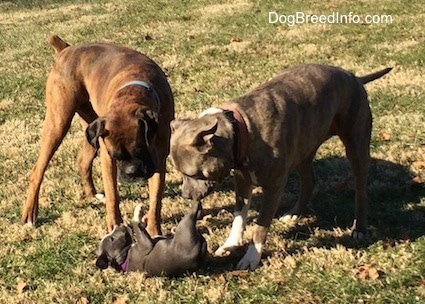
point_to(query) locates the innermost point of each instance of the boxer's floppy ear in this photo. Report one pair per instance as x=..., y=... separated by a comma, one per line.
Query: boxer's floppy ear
x=152, y=115
x=102, y=261
x=203, y=139
x=95, y=130
x=149, y=120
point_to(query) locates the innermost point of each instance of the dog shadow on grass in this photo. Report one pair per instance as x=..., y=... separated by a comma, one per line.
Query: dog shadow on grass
x=395, y=210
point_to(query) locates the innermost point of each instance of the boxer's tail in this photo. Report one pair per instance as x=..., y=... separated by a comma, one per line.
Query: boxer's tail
x=57, y=43
x=373, y=76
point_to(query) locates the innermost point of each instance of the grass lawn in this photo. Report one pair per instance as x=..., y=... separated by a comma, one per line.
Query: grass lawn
x=213, y=51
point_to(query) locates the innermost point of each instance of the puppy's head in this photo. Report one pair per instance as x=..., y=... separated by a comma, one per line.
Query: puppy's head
x=113, y=248
x=202, y=150
x=129, y=137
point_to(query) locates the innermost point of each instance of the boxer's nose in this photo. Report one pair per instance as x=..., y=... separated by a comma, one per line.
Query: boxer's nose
x=131, y=169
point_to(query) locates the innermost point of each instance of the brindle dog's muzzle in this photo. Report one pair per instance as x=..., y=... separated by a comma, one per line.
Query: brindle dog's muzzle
x=196, y=189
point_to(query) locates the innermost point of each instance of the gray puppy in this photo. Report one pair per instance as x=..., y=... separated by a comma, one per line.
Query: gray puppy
x=160, y=256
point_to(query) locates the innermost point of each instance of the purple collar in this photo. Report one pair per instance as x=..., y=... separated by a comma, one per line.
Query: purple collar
x=124, y=265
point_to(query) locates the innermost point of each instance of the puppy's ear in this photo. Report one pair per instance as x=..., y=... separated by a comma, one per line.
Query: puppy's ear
x=102, y=261
x=203, y=140
x=95, y=130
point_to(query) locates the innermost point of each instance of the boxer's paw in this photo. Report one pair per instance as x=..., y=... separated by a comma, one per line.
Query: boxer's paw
x=29, y=224
x=100, y=197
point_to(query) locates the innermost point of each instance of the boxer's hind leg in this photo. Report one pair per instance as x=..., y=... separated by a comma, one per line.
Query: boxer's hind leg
x=61, y=104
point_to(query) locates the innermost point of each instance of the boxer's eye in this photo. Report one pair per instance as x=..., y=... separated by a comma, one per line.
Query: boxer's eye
x=121, y=155
x=140, y=153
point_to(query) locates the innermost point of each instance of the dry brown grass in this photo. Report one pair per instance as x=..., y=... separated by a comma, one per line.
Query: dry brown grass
x=213, y=51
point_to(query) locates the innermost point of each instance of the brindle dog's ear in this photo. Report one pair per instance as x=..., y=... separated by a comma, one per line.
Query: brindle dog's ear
x=102, y=261
x=176, y=123
x=95, y=130
x=203, y=140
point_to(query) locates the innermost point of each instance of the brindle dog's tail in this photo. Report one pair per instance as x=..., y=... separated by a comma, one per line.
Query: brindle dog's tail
x=57, y=43
x=373, y=76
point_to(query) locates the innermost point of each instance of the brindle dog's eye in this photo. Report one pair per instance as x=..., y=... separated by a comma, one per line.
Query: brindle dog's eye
x=198, y=175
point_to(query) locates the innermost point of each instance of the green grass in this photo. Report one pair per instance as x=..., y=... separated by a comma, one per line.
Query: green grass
x=213, y=51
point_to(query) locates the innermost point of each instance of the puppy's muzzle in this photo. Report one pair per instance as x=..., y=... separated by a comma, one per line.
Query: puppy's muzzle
x=134, y=171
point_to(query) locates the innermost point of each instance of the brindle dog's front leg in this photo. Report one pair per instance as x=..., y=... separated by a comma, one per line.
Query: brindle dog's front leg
x=272, y=196
x=243, y=191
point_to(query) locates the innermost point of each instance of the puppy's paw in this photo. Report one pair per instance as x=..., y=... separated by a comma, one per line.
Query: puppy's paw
x=137, y=215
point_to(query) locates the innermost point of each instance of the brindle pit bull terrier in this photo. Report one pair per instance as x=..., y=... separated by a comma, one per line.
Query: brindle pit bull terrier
x=265, y=133
x=173, y=256
x=126, y=106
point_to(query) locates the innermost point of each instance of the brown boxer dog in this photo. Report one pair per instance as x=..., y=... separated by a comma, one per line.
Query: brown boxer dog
x=265, y=133
x=126, y=105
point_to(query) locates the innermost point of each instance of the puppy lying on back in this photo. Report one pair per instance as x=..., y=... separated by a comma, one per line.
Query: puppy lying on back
x=160, y=256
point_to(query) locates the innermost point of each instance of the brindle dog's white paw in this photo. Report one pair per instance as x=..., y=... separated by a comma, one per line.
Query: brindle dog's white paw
x=358, y=231
x=358, y=235
x=222, y=251
x=289, y=218
x=233, y=243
